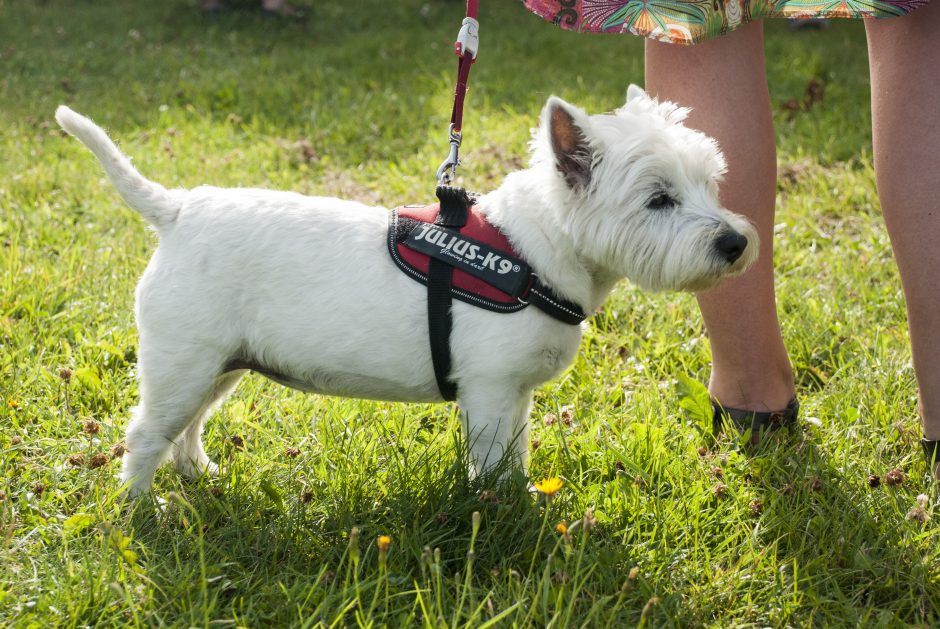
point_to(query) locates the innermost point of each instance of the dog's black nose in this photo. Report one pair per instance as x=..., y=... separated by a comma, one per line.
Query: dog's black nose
x=730, y=246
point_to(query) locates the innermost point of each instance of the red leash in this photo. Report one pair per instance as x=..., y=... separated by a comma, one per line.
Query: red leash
x=468, y=41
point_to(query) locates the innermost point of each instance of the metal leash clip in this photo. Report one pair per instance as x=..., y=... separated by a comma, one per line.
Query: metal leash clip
x=447, y=171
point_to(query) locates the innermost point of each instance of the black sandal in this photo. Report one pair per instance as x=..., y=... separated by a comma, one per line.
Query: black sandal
x=755, y=421
x=931, y=451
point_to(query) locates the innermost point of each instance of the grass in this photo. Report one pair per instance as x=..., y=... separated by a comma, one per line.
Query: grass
x=354, y=101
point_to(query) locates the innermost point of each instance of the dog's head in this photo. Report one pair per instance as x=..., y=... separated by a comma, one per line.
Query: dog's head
x=637, y=191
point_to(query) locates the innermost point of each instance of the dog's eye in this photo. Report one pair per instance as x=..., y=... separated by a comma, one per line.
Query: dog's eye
x=661, y=201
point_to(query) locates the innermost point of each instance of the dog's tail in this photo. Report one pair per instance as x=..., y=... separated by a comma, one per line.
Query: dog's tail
x=155, y=203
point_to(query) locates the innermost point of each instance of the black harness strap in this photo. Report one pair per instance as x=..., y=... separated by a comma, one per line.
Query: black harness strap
x=455, y=202
x=455, y=206
x=545, y=299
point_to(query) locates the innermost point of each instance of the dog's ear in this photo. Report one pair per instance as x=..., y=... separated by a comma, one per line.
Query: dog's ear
x=571, y=149
x=635, y=92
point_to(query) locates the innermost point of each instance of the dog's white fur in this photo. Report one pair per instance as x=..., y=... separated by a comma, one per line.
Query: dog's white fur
x=303, y=288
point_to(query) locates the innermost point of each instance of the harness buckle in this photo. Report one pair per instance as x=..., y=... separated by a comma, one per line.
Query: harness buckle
x=533, y=278
x=447, y=171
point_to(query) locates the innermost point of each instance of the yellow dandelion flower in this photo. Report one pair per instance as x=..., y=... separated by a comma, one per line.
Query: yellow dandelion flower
x=561, y=528
x=550, y=486
x=383, y=543
x=13, y=403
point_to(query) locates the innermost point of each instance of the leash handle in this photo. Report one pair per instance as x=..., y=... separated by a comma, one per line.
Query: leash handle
x=466, y=47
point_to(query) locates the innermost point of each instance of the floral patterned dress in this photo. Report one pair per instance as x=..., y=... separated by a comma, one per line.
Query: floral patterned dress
x=691, y=21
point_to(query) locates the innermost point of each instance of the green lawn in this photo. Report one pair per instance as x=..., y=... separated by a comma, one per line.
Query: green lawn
x=354, y=101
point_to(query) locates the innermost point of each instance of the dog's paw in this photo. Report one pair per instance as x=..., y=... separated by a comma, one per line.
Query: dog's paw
x=197, y=469
x=131, y=487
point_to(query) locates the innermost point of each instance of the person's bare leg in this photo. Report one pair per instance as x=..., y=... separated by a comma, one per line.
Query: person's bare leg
x=724, y=81
x=904, y=55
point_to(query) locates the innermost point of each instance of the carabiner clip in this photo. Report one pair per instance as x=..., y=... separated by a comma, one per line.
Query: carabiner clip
x=447, y=171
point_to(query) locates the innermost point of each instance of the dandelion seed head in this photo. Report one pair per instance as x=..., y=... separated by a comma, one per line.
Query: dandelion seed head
x=918, y=514
x=589, y=521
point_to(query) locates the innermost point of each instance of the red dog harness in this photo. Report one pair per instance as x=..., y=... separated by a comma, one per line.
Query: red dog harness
x=452, y=249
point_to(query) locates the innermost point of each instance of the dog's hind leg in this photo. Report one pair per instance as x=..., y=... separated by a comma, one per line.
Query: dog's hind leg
x=176, y=390
x=189, y=455
x=496, y=423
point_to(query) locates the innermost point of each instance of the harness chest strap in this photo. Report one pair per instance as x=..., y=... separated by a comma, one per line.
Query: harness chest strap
x=458, y=254
x=453, y=213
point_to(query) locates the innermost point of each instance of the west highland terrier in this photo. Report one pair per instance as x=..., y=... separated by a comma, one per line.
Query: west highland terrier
x=303, y=289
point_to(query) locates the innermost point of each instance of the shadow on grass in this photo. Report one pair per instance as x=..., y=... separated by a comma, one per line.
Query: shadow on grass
x=834, y=542
x=215, y=544
x=761, y=535
x=827, y=540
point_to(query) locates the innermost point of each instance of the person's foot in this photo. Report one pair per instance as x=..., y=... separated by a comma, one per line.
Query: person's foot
x=932, y=455
x=744, y=421
x=760, y=394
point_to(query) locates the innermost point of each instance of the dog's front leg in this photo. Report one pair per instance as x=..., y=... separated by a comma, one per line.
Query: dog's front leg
x=496, y=424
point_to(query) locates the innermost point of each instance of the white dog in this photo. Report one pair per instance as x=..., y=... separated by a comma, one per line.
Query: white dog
x=303, y=290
